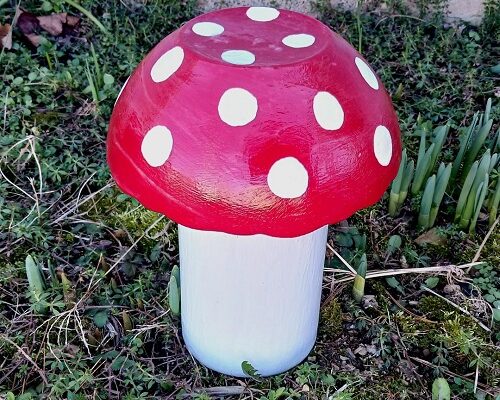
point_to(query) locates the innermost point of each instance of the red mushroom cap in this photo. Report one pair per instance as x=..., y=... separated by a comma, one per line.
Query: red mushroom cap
x=254, y=120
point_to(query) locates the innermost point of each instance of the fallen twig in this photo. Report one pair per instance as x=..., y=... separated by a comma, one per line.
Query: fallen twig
x=27, y=357
x=342, y=259
x=478, y=253
x=403, y=271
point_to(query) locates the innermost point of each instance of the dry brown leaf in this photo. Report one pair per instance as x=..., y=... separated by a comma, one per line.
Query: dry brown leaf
x=431, y=237
x=53, y=23
x=34, y=39
x=28, y=23
x=72, y=21
x=6, y=31
x=6, y=36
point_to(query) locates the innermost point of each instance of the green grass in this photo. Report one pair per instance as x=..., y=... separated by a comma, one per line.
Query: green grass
x=102, y=327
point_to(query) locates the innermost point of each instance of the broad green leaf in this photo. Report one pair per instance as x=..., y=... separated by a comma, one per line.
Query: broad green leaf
x=493, y=162
x=393, y=244
x=358, y=289
x=432, y=282
x=487, y=110
x=475, y=192
x=394, y=283
x=122, y=362
x=359, y=242
x=426, y=204
x=36, y=285
x=466, y=188
x=66, y=283
x=481, y=195
x=396, y=186
x=108, y=79
x=422, y=170
x=344, y=240
x=442, y=180
x=494, y=203
x=475, y=147
x=464, y=144
x=127, y=321
x=441, y=132
x=440, y=389
x=177, y=273
x=122, y=197
x=405, y=185
x=249, y=370
x=100, y=318
x=174, y=295
x=35, y=279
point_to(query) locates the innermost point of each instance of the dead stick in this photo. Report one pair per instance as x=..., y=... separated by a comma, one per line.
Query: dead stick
x=27, y=357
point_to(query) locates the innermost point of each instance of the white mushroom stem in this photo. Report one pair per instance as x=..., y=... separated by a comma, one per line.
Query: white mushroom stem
x=250, y=298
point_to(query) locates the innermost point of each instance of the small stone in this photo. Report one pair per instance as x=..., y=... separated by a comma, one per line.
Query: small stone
x=372, y=349
x=120, y=233
x=361, y=351
x=451, y=289
x=350, y=354
x=369, y=301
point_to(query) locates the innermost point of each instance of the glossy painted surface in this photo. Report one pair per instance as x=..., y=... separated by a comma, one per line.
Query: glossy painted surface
x=250, y=298
x=271, y=124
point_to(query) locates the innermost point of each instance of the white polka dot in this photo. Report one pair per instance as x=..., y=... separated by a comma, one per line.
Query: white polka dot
x=121, y=90
x=157, y=145
x=299, y=40
x=238, y=57
x=237, y=107
x=382, y=145
x=328, y=111
x=262, y=14
x=207, y=29
x=167, y=64
x=367, y=73
x=288, y=178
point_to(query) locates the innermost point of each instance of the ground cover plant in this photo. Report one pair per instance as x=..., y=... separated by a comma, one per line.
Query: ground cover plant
x=88, y=278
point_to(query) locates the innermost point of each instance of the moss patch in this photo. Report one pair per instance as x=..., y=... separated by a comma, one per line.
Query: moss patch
x=331, y=319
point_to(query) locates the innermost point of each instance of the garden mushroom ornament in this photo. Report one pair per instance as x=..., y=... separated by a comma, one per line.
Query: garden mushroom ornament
x=253, y=129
